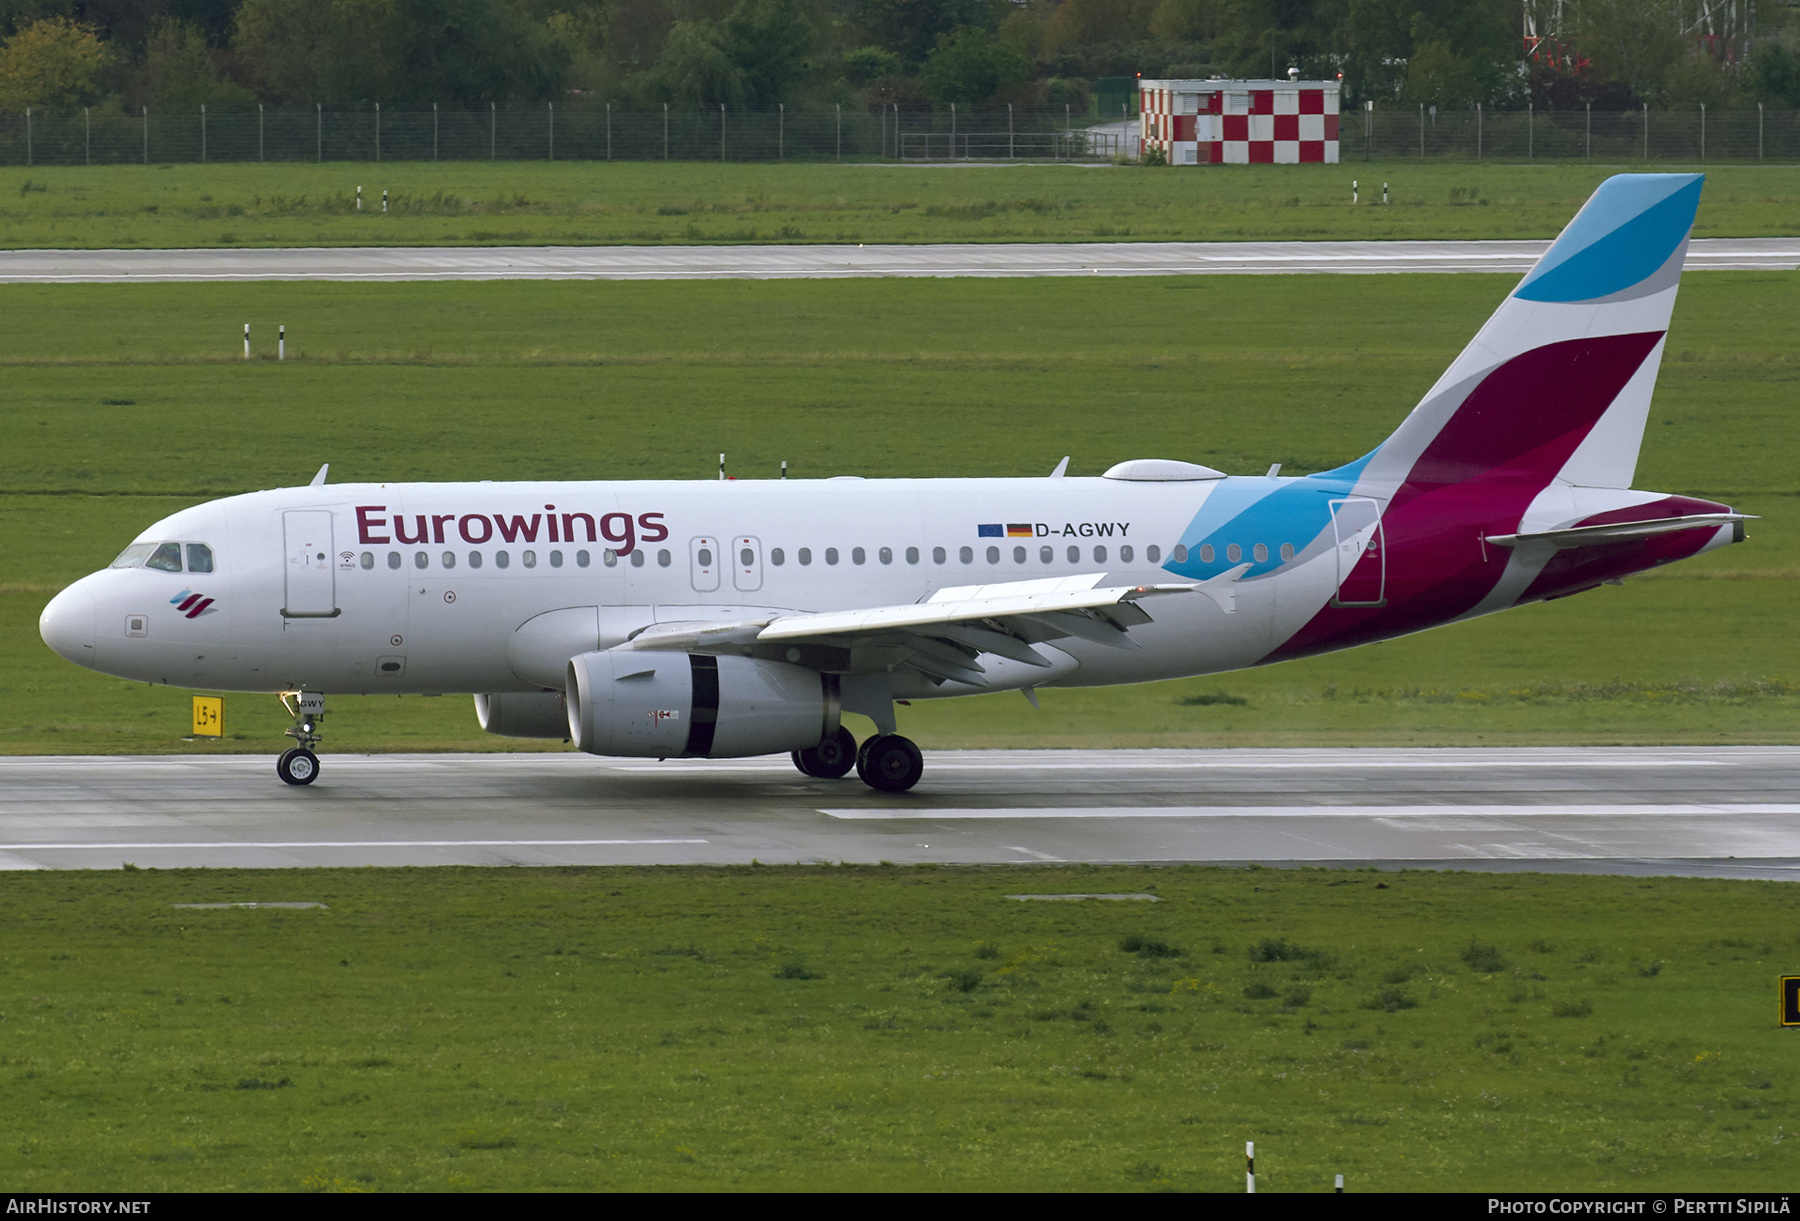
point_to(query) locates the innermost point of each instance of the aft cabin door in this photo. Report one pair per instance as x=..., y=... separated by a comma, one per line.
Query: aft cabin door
x=311, y=566
x=1361, y=552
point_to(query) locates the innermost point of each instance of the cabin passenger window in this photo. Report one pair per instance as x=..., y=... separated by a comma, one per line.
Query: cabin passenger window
x=1099, y=555
x=166, y=558
x=857, y=555
x=1125, y=554
x=637, y=559
x=556, y=559
x=368, y=560
x=805, y=556
x=704, y=556
x=1206, y=553
x=528, y=558
x=609, y=557
x=1261, y=552
x=474, y=559
x=1287, y=551
x=1153, y=553
x=1047, y=554
x=885, y=555
x=1180, y=553
x=421, y=560
x=912, y=555
x=1234, y=553
x=581, y=559
x=831, y=555
x=449, y=559
x=200, y=558
x=501, y=559
x=777, y=556
x=939, y=556
x=393, y=559
x=1074, y=555
x=993, y=555
x=1018, y=555
x=663, y=558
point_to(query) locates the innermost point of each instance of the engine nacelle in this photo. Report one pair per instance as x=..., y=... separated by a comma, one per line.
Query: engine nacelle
x=524, y=715
x=673, y=705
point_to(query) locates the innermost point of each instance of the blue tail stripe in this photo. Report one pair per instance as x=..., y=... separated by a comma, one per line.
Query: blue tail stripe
x=1629, y=230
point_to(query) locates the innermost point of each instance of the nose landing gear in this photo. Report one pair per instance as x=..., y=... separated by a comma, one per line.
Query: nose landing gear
x=298, y=764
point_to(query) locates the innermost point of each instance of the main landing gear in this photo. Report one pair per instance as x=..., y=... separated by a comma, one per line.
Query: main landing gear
x=887, y=761
x=298, y=764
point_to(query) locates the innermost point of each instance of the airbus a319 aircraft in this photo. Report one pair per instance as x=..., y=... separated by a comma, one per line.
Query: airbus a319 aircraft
x=732, y=618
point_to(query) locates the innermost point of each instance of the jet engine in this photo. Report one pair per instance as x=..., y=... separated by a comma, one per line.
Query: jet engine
x=670, y=705
x=523, y=715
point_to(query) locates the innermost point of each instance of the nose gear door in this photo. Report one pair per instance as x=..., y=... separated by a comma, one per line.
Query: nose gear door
x=311, y=591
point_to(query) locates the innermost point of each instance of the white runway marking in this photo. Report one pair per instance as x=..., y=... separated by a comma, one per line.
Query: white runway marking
x=356, y=843
x=1458, y=811
x=777, y=262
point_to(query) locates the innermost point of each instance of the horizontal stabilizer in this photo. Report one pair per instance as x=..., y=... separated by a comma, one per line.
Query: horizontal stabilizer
x=1618, y=532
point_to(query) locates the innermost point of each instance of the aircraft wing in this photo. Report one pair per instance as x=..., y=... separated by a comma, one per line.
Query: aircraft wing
x=1617, y=532
x=943, y=636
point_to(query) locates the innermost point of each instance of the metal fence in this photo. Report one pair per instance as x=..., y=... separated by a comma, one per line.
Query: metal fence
x=591, y=132
x=574, y=133
x=1392, y=132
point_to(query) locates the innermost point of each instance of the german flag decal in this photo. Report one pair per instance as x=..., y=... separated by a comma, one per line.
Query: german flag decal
x=1015, y=530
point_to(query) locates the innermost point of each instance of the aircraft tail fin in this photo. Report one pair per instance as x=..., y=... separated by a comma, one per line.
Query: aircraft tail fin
x=1557, y=385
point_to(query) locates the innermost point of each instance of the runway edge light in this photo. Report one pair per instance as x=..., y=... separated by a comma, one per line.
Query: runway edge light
x=209, y=716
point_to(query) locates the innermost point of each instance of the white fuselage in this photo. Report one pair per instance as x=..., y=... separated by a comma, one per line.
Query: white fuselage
x=364, y=611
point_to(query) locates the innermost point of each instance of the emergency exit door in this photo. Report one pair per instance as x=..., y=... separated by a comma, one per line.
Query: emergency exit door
x=1361, y=553
x=311, y=591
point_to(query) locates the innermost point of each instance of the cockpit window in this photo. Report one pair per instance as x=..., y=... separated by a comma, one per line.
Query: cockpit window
x=166, y=558
x=133, y=555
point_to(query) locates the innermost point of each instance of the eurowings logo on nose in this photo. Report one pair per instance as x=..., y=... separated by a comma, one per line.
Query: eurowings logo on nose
x=191, y=604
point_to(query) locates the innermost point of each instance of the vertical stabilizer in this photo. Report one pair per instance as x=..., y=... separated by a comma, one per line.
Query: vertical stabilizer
x=1557, y=385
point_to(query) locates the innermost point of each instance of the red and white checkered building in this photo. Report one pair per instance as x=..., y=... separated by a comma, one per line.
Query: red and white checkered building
x=1240, y=122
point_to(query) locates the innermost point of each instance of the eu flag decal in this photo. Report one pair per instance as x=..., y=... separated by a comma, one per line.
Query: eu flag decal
x=994, y=531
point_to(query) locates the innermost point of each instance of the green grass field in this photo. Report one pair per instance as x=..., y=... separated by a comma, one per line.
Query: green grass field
x=864, y=1029
x=124, y=403
x=487, y=203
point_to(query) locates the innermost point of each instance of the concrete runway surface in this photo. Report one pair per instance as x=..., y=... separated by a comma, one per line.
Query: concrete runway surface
x=1720, y=812
x=827, y=262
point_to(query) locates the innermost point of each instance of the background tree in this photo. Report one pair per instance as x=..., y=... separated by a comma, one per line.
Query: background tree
x=53, y=62
x=971, y=65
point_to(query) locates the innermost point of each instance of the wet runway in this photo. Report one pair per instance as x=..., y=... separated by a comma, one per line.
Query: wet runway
x=829, y=262
x=1727, y=812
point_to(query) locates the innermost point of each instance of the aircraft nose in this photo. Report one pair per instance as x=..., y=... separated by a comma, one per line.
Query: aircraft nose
x=67, y=624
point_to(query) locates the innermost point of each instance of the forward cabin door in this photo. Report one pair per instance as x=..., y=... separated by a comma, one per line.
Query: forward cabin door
x=310, y=564
x=1361, y=552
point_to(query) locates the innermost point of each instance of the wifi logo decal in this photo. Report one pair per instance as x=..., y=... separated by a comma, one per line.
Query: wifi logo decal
x=191, y=604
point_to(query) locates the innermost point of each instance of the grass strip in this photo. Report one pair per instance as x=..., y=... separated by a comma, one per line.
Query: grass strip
x=870, y=1028
x=638, y=203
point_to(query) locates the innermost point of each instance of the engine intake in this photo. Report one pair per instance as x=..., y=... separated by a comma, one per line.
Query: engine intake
x=670, y=705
